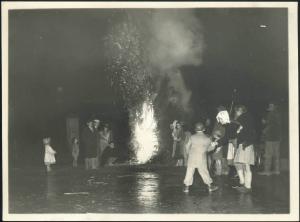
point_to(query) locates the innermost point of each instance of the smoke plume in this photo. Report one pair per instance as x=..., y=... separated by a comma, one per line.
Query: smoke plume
x=176, y=41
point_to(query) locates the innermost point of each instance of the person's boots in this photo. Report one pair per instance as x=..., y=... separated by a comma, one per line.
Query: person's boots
x=212, y=188
x=185, y=189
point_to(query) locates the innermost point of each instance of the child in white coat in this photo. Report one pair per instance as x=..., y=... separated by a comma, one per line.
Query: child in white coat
x=49, y=157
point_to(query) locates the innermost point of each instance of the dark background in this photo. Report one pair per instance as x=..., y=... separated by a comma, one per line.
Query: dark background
x=57, y=68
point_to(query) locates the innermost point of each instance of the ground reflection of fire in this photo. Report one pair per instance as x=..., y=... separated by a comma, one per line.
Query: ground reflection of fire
x=148, y=190
x=145, y=134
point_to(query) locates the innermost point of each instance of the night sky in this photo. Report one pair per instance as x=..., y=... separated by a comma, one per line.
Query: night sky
x=57, y=62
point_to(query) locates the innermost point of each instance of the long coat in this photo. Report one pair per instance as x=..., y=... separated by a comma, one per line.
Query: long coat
x=49, y=157
x=89, y=140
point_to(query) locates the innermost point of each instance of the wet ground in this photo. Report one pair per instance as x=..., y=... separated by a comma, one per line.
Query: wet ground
x=138, y=189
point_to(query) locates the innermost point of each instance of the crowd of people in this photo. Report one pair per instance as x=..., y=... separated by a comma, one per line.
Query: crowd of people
x=229, y=148
x=96, y=141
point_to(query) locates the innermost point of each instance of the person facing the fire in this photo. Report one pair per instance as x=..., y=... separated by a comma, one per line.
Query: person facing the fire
x=89, y=139
x=198, y=146
x=244, y=156
x=178, y=142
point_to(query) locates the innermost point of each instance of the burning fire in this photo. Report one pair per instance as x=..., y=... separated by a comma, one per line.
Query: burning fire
x=145, y=140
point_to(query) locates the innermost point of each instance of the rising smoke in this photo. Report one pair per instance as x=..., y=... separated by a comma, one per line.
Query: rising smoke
x=176, y=41
x=155, y=44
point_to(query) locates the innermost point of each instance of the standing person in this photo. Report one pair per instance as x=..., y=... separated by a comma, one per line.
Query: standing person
x=218, y=132
x=272, y=136
x=49, y=157
x=198, y=146
x=244, y=157
x=229, y=140
x=75, y=151
x=105, y=141
x=217, y=154
x=89, y=139
x=96, y=125
x=187, y=136
x=178, y=143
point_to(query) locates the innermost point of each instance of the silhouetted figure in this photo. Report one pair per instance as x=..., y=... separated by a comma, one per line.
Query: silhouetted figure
x=105, y=143
x=89, y=139
x=244, y=157
x=178, y=143
x=75, y=151
x=272, y=136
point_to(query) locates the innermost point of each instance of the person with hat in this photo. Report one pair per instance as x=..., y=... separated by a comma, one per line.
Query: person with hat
x=89, y=140
x=197, y=147
x=272, y=136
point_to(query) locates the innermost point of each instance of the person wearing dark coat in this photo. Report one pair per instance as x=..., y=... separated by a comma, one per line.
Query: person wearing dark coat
x=89, y=139
x=244, y=156
x=229, y=144
x=272, y=136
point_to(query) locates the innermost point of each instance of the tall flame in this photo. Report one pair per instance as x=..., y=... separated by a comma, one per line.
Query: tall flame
x=145, y=140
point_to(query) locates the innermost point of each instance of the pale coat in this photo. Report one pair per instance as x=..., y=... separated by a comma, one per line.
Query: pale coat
x=49, y=155
x=197, y=147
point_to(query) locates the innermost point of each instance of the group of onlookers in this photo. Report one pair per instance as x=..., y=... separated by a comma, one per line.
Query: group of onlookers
x=229, y=149
x=96, y=143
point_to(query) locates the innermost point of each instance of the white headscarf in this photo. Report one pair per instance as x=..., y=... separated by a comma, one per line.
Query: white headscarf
x=223, y=117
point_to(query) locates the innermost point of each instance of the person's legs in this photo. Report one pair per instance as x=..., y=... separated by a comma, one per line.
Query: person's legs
x=268, y=156
x=74, y=162
x=248, y=176
x=89, y=163
x=189, y=175
x=203, y=171
x=218, y=165
x=276, y=157
x=48, y=167
x=205, y=175
x=209, y=162
x=94, y=163
x=225, y=167
x=104, y=156
x=185, y=157
x=240, y=170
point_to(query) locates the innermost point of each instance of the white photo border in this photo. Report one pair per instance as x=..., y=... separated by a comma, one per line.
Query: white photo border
x=293, y=112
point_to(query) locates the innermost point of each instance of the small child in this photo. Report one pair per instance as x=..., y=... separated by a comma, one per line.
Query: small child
x=75, y=151
x=197, y=147
x=49, y=154
x=217, y=154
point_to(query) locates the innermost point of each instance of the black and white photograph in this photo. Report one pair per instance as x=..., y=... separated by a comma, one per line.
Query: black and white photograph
x=150, y=111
